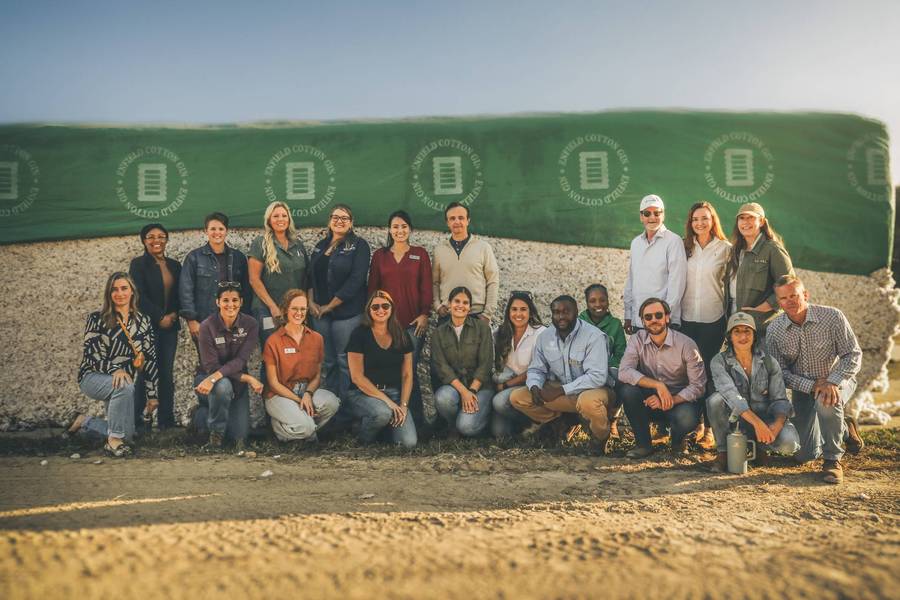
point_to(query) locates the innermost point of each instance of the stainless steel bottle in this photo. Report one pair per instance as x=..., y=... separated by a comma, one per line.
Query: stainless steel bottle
x=739, y=450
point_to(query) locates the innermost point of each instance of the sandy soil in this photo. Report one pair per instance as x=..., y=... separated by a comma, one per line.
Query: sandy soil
x=478, y=521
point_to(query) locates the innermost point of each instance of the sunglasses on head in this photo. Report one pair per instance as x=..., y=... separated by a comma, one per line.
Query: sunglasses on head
x=651, y=213
x=654, y=315
x=230, y=284
x=385, y=306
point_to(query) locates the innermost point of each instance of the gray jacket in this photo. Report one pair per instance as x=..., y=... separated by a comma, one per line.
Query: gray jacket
x=764, y=395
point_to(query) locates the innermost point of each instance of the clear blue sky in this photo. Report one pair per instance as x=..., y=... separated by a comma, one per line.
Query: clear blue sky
x=224, y=61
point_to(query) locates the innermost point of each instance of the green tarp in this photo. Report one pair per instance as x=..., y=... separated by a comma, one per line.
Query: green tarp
x=571, y=178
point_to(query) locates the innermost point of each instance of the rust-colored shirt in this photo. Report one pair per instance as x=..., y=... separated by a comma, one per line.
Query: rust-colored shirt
x=294, y=363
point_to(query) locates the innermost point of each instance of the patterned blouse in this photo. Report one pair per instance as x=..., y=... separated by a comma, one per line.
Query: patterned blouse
x=107, y=350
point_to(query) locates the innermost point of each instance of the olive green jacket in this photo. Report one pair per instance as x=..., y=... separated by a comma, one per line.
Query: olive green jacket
x=468, y=358
x=761, y=267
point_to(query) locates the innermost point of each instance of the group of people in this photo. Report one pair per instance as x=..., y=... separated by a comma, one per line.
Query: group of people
x=341, y=331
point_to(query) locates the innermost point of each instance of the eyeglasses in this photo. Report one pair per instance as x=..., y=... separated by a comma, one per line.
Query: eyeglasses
x=651, y=213
x=384, y=306
x=340, y=219
x=651, y=316
x=157, y=238
x=235, y=285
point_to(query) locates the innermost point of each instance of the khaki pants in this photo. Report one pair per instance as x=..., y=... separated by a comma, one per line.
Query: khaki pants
x=592, y=405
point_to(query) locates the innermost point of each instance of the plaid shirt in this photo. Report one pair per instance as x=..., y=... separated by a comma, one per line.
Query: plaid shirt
x=823, y=346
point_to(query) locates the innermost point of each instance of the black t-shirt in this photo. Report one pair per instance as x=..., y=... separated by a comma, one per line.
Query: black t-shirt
x=320, y=276
x=222, y=263
x=381, y=367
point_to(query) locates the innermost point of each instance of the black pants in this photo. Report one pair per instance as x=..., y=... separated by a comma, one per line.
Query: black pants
x=166, y=344
x=709, y=338
x=681, y=418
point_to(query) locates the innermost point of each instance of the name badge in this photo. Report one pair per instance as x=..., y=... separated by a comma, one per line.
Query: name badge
x=415, y=257
x=268, y=323
x=290, y=350
x=220, y=340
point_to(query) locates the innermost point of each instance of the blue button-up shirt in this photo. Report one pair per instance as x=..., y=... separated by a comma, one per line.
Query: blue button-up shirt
x=580, y=362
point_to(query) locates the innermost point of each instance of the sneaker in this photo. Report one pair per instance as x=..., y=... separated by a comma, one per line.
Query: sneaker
x=832, y=472
x=683, y=448
x=854, y=441
x=597, y=447
x=639, y=452
x=216, y=442
x=720, y=464
x=708, y=440
x=240, y=446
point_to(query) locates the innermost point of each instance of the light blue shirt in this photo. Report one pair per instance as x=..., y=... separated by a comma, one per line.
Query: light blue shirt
x=657, y=269
x=580, y=362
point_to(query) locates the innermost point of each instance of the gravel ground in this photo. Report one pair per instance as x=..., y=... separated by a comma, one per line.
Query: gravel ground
x=46, y=280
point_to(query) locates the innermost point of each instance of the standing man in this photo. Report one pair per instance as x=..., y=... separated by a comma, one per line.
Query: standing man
x=569, y=373
x=658, y=266
x=820, y=357
x=661, y=378
x=467, y=261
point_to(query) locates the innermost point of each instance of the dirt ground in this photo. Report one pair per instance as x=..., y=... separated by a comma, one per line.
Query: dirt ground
x=457, y=520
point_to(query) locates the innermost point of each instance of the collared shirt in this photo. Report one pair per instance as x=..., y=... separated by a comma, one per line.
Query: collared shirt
x=520, y=356
x=459, y=245
x=657, y=268
x=225, y=349
x=580, y=362
x=763, y=392
x=408, y=281
x=293, y=362
x=677, y=363
x=293, y=265
x=468, y=357
x=824, y=345
x=704, y=294
x=615, y=334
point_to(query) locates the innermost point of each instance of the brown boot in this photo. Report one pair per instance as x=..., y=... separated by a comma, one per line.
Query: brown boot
x=720, y=464
x=854, y=442
x=832, y=472
x=614, y=428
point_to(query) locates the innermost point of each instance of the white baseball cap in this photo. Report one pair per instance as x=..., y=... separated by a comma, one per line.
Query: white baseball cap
x=652, y=201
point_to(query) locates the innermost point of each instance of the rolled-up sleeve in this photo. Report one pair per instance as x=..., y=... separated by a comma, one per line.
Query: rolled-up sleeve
x=539, y=367
x=726, y=387
x=628, y=367
x=696, y=373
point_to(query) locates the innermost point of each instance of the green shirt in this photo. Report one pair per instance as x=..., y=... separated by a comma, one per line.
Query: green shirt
x=613, y=329
x=469, y=357
x=293, y=263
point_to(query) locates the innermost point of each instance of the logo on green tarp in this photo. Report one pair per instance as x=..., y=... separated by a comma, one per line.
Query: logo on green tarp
x=152, y=182
x=19, y=179
x=867, y=167
x=303, y=176
x=445, y=171
x=593, y=170
x=739, y=167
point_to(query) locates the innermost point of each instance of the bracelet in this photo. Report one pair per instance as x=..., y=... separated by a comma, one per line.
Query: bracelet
x=473, y=390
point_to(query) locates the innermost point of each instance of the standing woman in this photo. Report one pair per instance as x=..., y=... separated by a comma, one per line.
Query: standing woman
x=462, y=356
x=277, y=263
x=758, y=258
x=404, y=272
x=226, y=340
x=292, y=357
x=381, y=368
x=703, y=304
x=338, y=294
x=207, y=266
x=155, y=278
x=513, y=347
x=118, y=343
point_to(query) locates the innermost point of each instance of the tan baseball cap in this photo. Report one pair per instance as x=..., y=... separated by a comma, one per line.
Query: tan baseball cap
x=752, y=208
x=740, y=318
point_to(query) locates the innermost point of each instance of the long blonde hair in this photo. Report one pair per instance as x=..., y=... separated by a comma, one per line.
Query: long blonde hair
x=270, y=253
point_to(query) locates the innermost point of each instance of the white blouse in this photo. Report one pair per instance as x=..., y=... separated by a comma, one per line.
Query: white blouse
x=704, y=294
x=520, y=356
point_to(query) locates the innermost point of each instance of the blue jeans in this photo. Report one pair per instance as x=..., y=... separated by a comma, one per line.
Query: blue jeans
x=119, y=422
x=821, y=428
x=223, y=412
x=681, y=418
x=374, y=417
x=166, y=345
x=506, y=421
x=336, y=334
x=449, y=406
x=719, y=414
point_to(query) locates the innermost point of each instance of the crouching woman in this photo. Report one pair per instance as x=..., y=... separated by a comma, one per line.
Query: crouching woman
x=380, y=355
x=293, y=359
x=118, y=346
x=750, y=390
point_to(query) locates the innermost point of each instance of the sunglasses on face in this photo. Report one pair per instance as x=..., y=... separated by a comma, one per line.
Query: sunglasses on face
x=651, y=213
x=384, y=306
x=651, y=316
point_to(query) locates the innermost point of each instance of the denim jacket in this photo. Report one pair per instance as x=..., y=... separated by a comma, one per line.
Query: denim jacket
x=199, y=281
x=764, y=395
x=347, y=270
